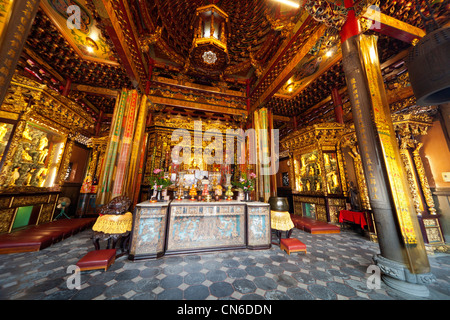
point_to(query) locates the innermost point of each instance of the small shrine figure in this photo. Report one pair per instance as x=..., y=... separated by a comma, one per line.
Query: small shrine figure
x=218, y=192
x=205, y=191
x=15, y=175
x=354, y=197
x=43, y=142
x=193, y=192
x=42, y=155
x=229, y=193
x=180, y=192
x=87, y=184
x=26, y=156
x=26, y=133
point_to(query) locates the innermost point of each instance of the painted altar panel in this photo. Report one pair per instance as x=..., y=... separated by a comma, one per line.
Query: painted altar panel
x=149, y=230
x=258, y=224
x=195, y=226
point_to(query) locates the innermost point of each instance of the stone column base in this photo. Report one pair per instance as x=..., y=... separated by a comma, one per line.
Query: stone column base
x=397, y=276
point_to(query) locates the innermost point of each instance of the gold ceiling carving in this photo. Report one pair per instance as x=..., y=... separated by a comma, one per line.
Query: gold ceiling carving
x=48, y=106
x=88, y=40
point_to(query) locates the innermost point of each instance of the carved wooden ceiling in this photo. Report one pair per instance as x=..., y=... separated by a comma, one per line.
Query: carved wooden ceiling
x=168, y=24
x=278, y=57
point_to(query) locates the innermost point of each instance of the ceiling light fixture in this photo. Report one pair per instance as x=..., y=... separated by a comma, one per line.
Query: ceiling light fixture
x=209, y=50
x=209, y=57
x=289, y=3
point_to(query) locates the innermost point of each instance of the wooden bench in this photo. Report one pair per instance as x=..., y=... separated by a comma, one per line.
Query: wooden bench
x=38, y=237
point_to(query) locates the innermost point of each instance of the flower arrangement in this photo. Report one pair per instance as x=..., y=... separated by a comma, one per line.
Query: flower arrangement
x=246, y=184
x=158, y=181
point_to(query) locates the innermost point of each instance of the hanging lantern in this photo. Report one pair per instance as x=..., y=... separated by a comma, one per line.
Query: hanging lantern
x=428, y=64
x=209, y=51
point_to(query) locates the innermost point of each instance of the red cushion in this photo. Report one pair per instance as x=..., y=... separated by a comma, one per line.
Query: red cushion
x=293, y=244
x=97, y=258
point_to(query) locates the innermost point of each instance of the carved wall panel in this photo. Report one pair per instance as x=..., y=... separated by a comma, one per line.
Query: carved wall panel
x=6, y=219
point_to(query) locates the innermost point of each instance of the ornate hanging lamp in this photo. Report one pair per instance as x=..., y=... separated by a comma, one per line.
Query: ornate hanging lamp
x=428, y=63
x=209, y=51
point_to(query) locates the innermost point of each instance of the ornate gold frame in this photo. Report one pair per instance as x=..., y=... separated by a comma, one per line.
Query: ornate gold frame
x=29, y=101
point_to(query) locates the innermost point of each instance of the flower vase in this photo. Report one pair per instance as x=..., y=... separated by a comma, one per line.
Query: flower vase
x=247, y=196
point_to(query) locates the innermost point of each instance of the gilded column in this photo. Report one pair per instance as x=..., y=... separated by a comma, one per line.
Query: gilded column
x=403, y=258
x=15, y=24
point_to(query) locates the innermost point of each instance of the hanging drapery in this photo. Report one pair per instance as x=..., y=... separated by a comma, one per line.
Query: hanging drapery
x=119, y=174
x=107, y=173
x=274, y=151
x=129, y=123
x=261, y=125
x=133, y=178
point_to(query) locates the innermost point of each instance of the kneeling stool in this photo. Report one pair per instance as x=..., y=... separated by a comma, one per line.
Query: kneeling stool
x=97, y=259
x=292, y=245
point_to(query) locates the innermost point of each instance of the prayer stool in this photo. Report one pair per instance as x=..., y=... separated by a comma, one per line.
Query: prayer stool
x=292, y=245
x=97, y=259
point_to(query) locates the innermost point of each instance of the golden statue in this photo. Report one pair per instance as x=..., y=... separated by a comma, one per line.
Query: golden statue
x=229, y=193
x=26, y=156
x=193, y=192
x=26, y=133
x=42, y=155
x=41, y=176
x=15, y=175
x=43, y=142
x=3, y=131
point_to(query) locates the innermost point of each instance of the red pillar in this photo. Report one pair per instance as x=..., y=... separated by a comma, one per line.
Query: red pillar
x=337, y=101
x=67, y=88
x=99, y=123
x=351, y=26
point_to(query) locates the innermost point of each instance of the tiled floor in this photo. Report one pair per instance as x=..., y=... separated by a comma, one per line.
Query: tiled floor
x=335, y=267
